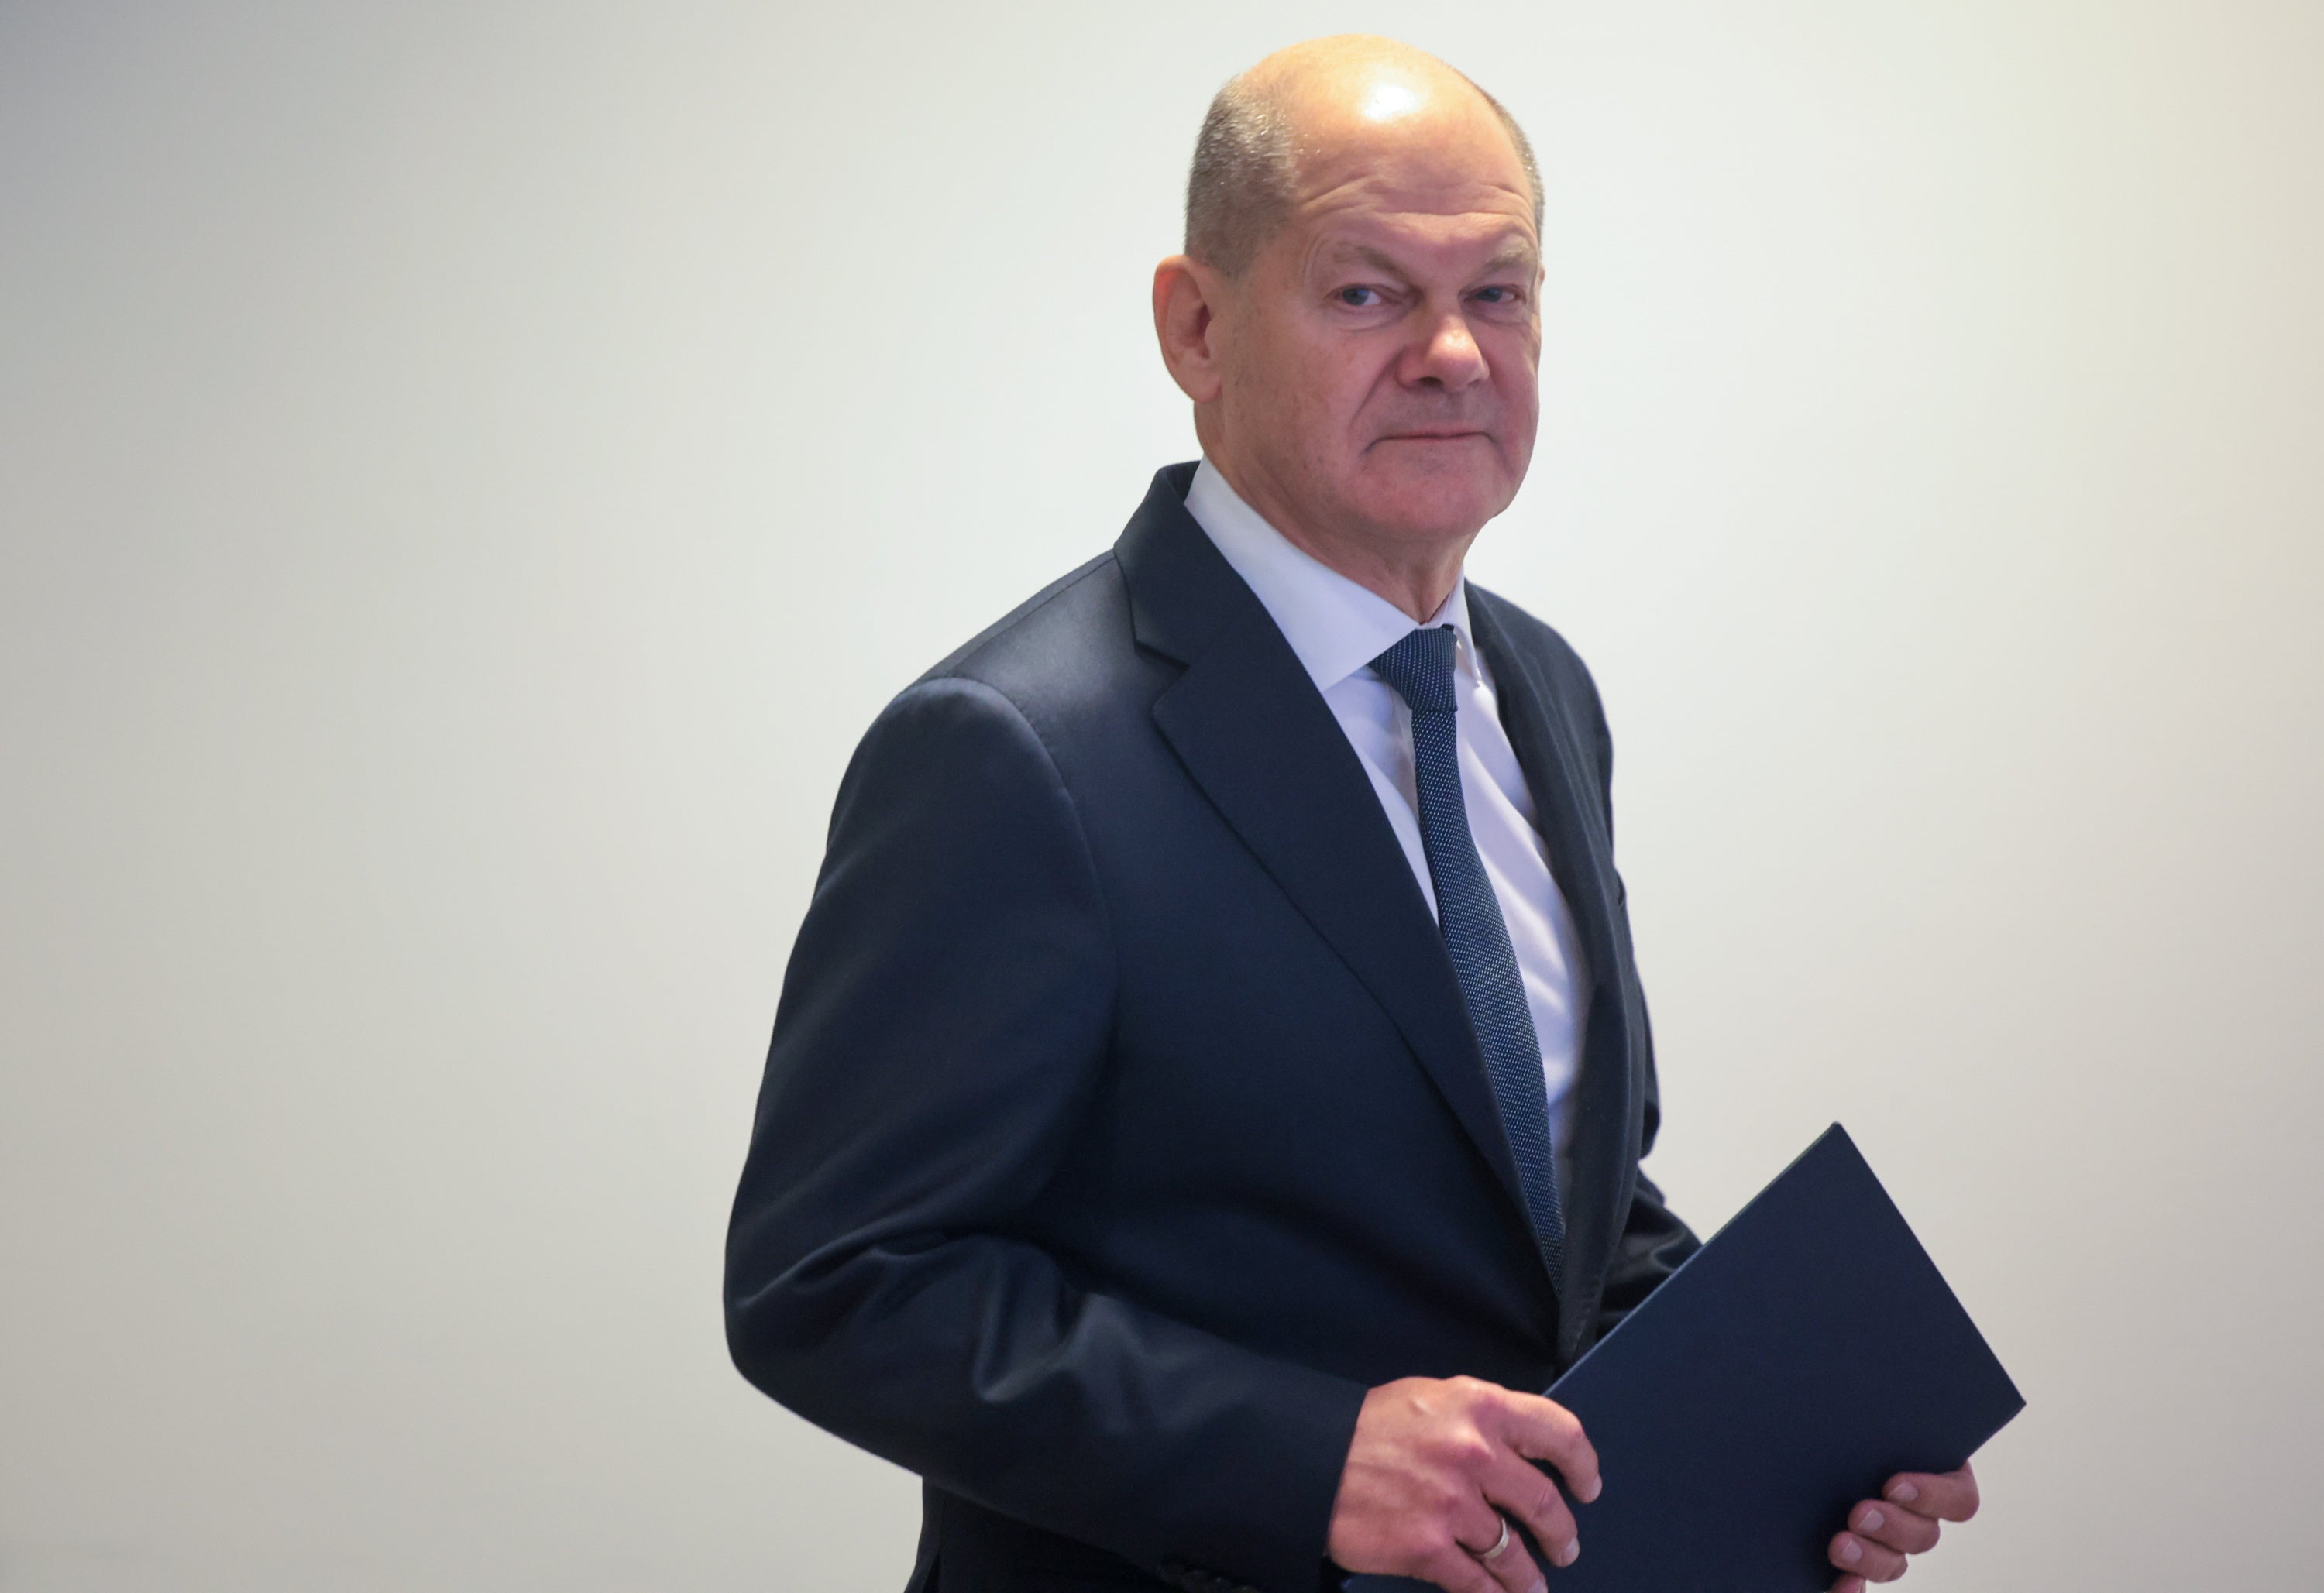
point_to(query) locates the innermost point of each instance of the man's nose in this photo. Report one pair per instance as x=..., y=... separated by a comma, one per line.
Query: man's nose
x=1444, y=354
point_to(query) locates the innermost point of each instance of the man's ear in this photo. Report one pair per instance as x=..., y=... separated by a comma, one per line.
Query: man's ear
x=1186, y=294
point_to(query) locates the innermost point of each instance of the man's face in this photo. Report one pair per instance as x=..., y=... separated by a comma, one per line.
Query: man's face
x=1379, y=356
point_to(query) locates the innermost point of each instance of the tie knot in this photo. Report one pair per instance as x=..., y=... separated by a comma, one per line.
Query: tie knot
x=1420, y=668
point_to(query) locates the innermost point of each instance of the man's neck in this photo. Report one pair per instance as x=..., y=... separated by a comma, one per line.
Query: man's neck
x=1415, y=578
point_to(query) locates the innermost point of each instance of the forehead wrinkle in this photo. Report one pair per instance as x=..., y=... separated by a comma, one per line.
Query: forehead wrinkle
x=1518, y=251
x=1398, y=191
x=1361, y=254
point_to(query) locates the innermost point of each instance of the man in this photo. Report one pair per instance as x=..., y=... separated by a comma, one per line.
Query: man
x=1209, y=1087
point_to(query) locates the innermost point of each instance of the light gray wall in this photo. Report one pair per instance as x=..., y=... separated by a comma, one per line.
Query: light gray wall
x=468, y=472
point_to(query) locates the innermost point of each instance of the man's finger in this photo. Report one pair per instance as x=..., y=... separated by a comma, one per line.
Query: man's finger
x=1513, y=1569
x=1509, y=1571
x=1950, y=1497
x=1849, y=1584
x=1543, y=1429
x=1900, y=1529
x=1519, y=1489
x=1874, y=1563
x=1456, y=1570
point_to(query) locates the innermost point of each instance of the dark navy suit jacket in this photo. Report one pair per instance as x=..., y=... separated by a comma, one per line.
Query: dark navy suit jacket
x=1122, y=1123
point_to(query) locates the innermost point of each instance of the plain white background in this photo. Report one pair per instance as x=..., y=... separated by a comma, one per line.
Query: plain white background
x=468, y=472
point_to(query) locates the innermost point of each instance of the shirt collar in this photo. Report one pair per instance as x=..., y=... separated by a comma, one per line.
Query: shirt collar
x=1335, y=626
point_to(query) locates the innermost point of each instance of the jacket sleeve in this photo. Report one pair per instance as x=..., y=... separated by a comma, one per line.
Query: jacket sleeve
x=943, y=1026
x=1654, y=1240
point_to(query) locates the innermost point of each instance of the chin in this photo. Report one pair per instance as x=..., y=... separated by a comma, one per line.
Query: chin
x=1433, y=504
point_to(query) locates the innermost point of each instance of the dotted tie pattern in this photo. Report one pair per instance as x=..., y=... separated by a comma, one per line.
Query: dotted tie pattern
x=1420, y=669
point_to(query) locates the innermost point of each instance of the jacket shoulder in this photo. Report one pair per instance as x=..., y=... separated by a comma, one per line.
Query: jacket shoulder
x=1002, y=635
x=1068, y=649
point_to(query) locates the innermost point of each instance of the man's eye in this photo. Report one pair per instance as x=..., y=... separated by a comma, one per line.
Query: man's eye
x=1359, y=297
x=1497, y=295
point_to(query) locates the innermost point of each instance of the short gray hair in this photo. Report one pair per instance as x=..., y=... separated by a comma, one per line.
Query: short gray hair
x=1246, y=159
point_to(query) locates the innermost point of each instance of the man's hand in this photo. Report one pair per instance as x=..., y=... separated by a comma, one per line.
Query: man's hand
x=1435, y=1467
x=1902, y=1521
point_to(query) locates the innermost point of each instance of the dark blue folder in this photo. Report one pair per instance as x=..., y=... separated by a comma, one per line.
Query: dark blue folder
x=1806, y=1353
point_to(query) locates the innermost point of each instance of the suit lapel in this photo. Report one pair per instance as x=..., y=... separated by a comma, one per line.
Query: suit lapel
x=1569, y=806
x=1254, y=733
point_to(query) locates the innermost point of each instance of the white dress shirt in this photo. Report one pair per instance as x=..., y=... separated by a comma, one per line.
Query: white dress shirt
x=1337, y=628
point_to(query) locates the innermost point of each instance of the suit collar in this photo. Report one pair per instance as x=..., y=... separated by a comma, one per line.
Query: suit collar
x=1182, y=593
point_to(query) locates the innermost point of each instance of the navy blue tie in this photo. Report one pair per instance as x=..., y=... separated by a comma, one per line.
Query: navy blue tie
x=1420, y=668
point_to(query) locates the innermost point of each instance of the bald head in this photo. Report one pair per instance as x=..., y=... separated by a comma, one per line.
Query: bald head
x=1267, y=126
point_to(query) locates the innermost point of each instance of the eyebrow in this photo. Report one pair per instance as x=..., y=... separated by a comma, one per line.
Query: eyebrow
x=1513, y=253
